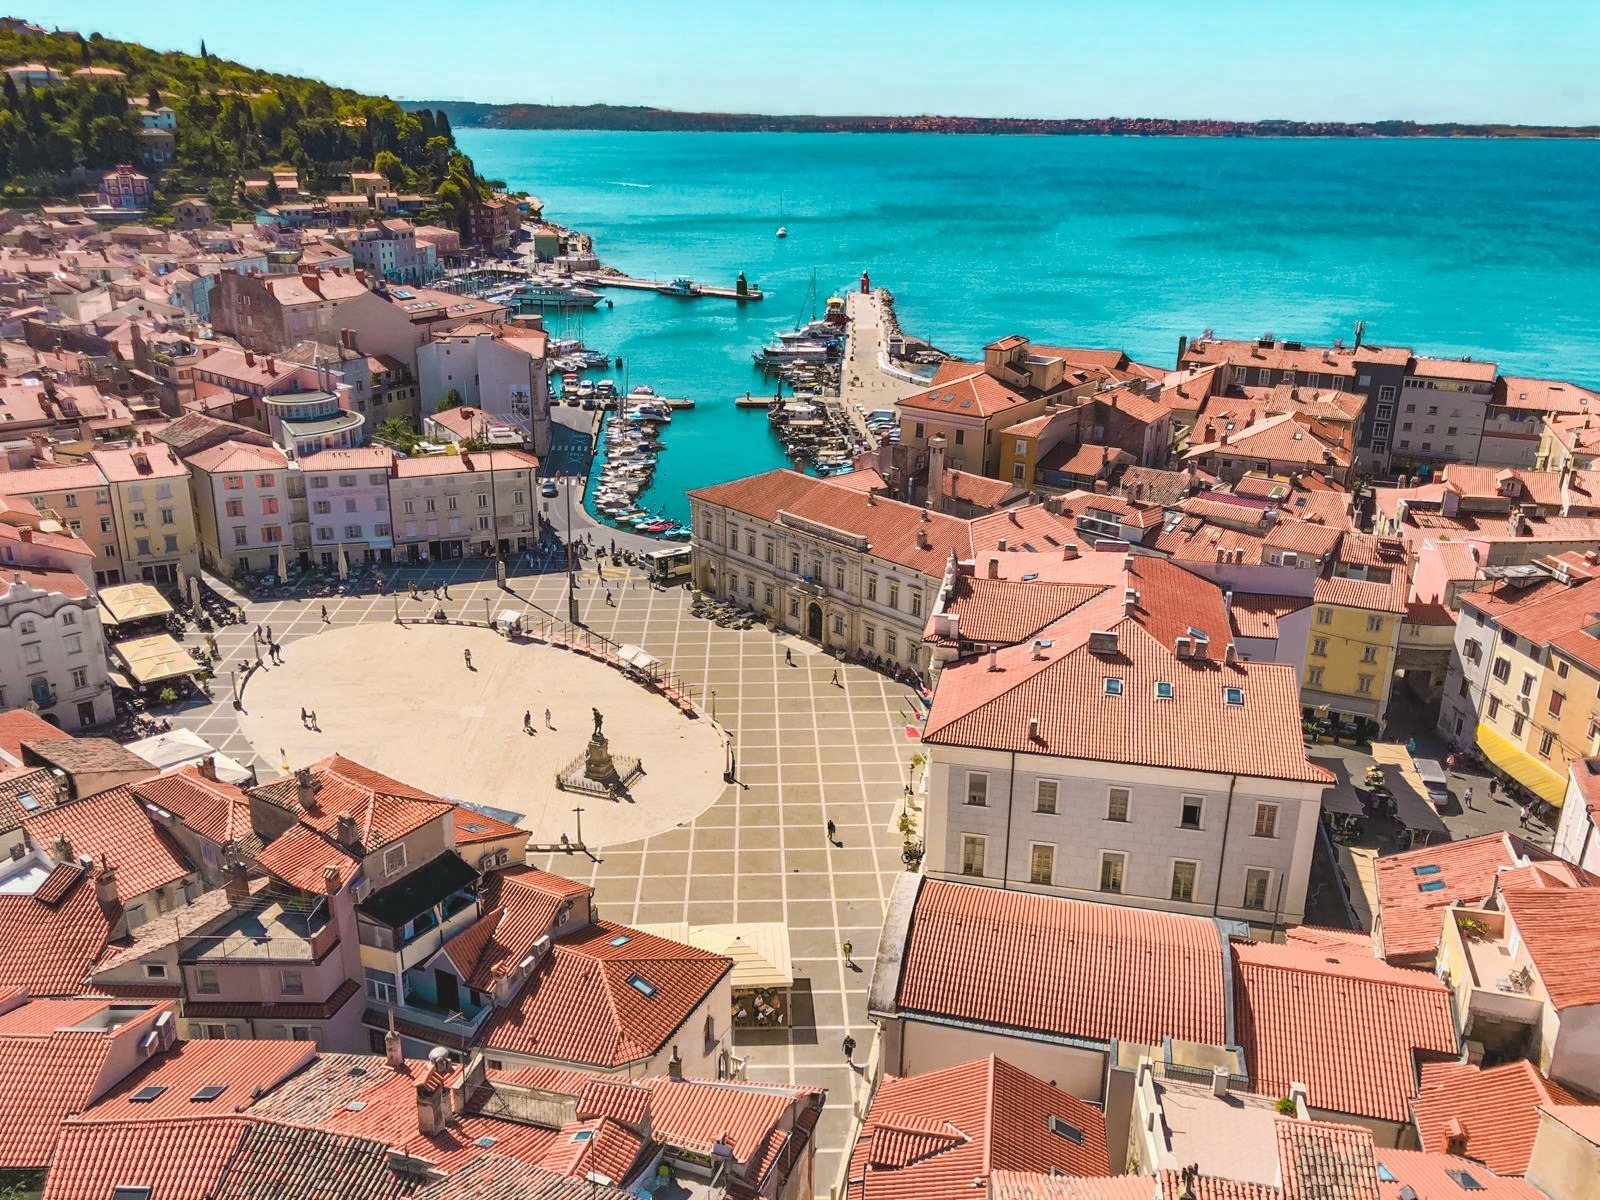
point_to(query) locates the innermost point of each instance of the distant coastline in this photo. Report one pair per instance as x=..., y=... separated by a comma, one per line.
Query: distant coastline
x=465, y=114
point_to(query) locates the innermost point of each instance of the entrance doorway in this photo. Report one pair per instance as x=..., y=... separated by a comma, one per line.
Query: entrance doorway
x=448, y=990
x=814, y=622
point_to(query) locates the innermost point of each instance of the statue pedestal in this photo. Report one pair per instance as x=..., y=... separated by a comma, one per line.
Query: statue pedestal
x=597, y=764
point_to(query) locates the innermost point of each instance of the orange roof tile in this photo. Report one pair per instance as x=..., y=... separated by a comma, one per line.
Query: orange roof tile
x=940, y=1133
x=1028, y=1185
x=1488, y=1115
x=384, y=809
x=582, y=1006
x=1343, y=1022
x=301, y=858
x=521, y=904
x=975, y=394
x=177, y=1160
x=1445, y=1177
x=113, y=828
x=1064, y=967
x=1005, y=612
x=698, y=1114
x=216, y=810
x=238, y=1067
x=1318, y=1160
x=1560, y=930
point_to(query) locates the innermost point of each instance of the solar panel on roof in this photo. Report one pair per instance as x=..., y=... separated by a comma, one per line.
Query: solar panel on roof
x=1433, y=885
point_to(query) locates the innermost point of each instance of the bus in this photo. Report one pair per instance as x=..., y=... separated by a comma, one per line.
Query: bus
x=670, y=566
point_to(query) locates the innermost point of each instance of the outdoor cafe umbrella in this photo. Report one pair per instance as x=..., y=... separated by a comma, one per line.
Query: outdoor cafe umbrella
x=194, y=596
x=344, y=564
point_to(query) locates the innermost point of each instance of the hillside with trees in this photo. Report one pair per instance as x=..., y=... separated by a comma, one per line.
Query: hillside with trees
x=231, y=120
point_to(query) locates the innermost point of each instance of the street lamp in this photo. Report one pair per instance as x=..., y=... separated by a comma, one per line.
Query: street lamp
x=572, y=583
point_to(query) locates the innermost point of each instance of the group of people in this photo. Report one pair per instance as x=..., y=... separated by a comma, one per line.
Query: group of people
x=527, y=721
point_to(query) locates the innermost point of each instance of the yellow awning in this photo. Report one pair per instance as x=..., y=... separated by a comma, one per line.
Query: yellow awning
x=152, y=659
x=1521, y=766
x=759, y=949
x=133, y=602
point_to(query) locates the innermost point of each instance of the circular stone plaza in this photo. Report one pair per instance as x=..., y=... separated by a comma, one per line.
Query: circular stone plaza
x=403, y=700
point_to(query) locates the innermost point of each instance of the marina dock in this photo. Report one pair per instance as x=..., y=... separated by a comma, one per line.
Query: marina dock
x=695, y=291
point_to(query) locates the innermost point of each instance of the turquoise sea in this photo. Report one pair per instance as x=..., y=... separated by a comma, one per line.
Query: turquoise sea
x=1488, y=248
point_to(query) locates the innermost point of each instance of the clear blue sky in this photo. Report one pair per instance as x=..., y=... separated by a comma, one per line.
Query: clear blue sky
x=1485, y=60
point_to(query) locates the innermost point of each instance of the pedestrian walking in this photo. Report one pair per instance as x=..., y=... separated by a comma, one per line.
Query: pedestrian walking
x=1494, y=784
x=549, y=724
x=315, y=727
x=1527, y=812
x=467, y=654
x=305, y=717
x=788, y=656
x=609, y=600
x=269, y=633
x=324, y=614
x=527, y=721
x=447, y=591
x=836, y=682
x=832, y=832
x=848, y=961
x=1466, y=798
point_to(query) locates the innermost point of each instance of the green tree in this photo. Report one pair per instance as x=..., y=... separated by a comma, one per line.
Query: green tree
x=452, y=399
x=387, y=163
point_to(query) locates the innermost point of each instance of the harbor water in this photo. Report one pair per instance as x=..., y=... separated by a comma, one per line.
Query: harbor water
x=1456, y=247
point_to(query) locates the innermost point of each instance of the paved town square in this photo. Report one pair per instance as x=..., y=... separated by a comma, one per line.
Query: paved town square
x=807, y=752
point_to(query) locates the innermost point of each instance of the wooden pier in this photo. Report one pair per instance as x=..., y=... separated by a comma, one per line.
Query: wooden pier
x=698, y=290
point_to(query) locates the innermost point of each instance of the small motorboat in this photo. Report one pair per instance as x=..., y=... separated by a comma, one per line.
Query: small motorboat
x=783, y=231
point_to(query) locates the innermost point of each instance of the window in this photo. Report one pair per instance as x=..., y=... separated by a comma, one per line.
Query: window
x=1183, y=876
x=894, y=594
x=977, y=789
x=232, y=483
x=1494, y=706
x=394, y=858
x=1113, y=686
x=142, y=546
x=381, y=987
x=241, y=537
x=235, y=508
x=80, y=678
x=1527, y=684
x=350, y=505
x=1233, y=696
x=155, y=970
x=32, y=653
x=961, y=436
x=918, y=431
x=205, y=981
x=1369, y=654
x=916, y=604
x=872, y=587
x=1561, y=669
x=1556, y=700
x=1319, y=647
x=1044, y=795
x=1189, y=815
x=294, y=983
x=838, y=576
x=1257, y=886
x=872, y=636
x=794, y=562
x=167, y=518
x=301, y=1033
x=1266, y=821
x=972, y=855
x=1502, y=669
x=643, y=986
x=1546, y=744
x=1163, y=690
x=1042, y=865
x=1517, y=723
x=1324, y=616
x=1364, y=684
x=1112, y=868
x=838, y=626
x=1314, y=677
x=269, y=506
x=73, y=642
x=1117, y=804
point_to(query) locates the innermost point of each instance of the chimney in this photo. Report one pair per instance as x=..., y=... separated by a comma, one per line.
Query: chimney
x=922, y=539
x=1183, y=345
x=1230, y=653
x=61, y=849
x=330, y=879
x=392, y=1049
x=346, y=830
x=1069, y=551
x=1219, y=1082
x=994, y=660
x=1033, y=729
x=305, y=791
x=432, y=1096
x=675, y=1064
x=238, y=885
x=207, y=767
x=105, y=884
x=272, y=365
x=1130, y=601
x=1455, y=1134
x=249, y=358
x=936, y=445
x=994, y=568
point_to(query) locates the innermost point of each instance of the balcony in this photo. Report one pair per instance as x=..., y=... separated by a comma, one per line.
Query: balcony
x=270, y=929
x=1490, y=986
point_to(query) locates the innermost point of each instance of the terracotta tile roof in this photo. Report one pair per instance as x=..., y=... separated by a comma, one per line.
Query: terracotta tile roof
x=1004, y=612
x=1443, y=1177
x=1281, y=439
x=301, y=857
x=1582, y=1119
x=18, y=725
x=1257, y=616
x=167, y=929
x=1488, y=1115
x=1149, y=485
x=1545, y=395
x=46, y=480
x=47, y=1072
x=1453, y=368
x=1279, y=356
x=1344, y=1023
x=582, y=1006
x=936, y=1134
x=520, y=906
x=1344, y=592
x=177, y=1160
x=134, y=463
x=53, y=936
x=1560, y=930
x=1027, y=1185
x=493, y=1176
x=275, y=1161
x=362, y=458
x=1063, y=685
x=1063, y=967
x=241, y=457
x=1322, y=1161
x=113, y=828
x=238, y=1067
x=1410, y=919
x=975, y=394
x=474, y=827
x=217, y=811
x=28, y=792
x=385, y=810
x=465, y=464
x=1087, y=458
x=979, y=490
x=697, y=1114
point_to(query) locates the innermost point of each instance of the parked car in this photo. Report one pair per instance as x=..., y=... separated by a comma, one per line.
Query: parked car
x=548, y=489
